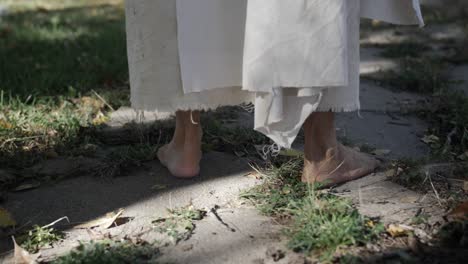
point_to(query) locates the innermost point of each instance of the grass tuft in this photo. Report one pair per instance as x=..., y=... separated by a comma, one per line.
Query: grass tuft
x=179, y=225
x=317, y=222
x=110, y=252
x=39, y=237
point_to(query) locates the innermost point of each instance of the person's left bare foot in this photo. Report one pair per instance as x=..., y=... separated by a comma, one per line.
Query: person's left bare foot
x=340, y=164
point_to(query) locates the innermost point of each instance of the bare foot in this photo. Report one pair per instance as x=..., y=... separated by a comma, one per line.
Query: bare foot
x=340, y=164
x=181, y=161
x=182, y=156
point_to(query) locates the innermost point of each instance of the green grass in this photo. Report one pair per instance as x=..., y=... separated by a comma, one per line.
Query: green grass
x=316, y=222
x=111, y=252
x=56, y=57
x=37, y=126
x=218, y=137
x=179, y=224
x=448, y=117
x=39, y=237
x=403, y=49
x=124, y=158
x=43, y=53
x=419, y=75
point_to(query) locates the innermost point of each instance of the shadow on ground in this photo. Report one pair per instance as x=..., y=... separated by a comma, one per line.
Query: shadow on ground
x=144, y=194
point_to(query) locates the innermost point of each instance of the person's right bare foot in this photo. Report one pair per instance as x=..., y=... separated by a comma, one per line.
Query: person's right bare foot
x=340, y=164
x=180, y=161
x=183, y=154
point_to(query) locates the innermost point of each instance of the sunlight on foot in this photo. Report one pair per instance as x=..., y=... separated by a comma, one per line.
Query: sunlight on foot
x=341, y=164
x=181, y=162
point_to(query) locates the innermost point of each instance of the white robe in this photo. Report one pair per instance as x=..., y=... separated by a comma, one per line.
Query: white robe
x=291, y=57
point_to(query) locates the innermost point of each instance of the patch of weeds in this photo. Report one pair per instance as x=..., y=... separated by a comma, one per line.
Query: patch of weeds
x=419, y=219
x=110, y=252
x=31, y=131
x=408, y=172
x=317, y=222
x=179, y=225
x=419, y=75
x=83, y=47
x=403, y=49
x=52, y=61
x=448, y=117
x=123, y=158
x=350, y=259
x=448, y=14
x=217, y=137
x=325, y=223
x=445, y=182
x=39, y=237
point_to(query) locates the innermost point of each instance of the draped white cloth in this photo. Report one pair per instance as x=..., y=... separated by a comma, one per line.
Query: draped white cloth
x=291, y=57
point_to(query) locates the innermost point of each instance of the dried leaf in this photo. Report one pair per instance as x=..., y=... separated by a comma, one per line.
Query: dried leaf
x=5, y=124
x=100, y=118
x=22, y=256
x=390, y=173
x=6, y=220
x=103, y=222
x=398, y=230
x=430, y=139
x=460, y=212
x=465, y=186
x=254, y=175
x=159, y=187
x=370, y=224
x=27, y=186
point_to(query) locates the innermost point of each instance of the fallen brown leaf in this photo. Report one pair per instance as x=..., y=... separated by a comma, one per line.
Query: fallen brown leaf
x=390, y=173
x=254, y=175
x=21, y=256
x=396, y=230
x=27, y=186
x=104, y=222
x=460, y=212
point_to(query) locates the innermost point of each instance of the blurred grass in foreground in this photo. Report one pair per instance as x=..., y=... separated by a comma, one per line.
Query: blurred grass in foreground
x=56, y=57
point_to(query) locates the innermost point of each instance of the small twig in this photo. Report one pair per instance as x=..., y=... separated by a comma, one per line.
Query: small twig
x=257, y=170
x=448, y=141
x=103, y=100
x=360, y=196
x=215, y=213
x=433, y=188
x=398, y=123
x=56, y=221
x=20, y=139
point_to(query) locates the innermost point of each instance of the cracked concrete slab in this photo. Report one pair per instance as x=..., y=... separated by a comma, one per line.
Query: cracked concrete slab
x=399, y=133
x=376, y=196
x=145, y=193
